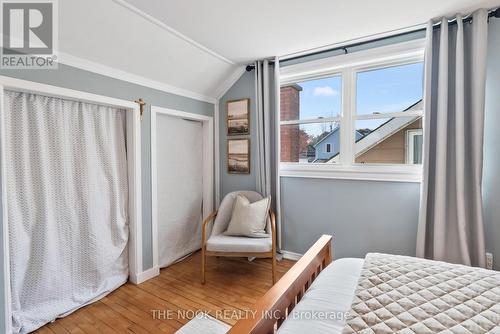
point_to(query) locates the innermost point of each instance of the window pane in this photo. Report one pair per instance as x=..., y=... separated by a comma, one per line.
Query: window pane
x=318, y=98
x=310, y=143
x=391, y=89
x=389, y=141
x=416, y=156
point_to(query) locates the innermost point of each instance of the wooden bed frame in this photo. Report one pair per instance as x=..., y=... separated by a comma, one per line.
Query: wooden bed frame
x=272, y=308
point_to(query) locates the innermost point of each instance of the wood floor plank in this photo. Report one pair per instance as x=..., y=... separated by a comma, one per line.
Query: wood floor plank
x=233, y=285
x=45, y=330
x=57, y=328
x=141, y=321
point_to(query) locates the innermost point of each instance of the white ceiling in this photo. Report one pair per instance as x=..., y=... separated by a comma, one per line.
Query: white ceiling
x=247, y=30
x=197, y=44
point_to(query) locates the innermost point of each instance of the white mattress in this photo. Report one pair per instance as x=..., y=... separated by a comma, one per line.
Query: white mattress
x=322, y=307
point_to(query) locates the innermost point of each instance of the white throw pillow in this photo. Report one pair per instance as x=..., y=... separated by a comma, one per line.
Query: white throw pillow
x=249, y=219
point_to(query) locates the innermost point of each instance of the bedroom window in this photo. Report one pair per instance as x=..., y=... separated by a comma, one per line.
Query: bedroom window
x=354, y=116
x=310, y=120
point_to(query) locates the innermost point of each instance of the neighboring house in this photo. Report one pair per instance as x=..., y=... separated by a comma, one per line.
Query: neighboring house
x=329, y=145
x=397, y=141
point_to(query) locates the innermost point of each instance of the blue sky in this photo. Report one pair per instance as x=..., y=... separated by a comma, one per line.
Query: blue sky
x=384, y=90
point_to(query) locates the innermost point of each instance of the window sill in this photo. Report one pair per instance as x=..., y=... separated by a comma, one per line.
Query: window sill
x=393, y=173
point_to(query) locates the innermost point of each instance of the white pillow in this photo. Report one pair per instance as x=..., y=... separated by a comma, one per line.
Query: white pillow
x=249, y=219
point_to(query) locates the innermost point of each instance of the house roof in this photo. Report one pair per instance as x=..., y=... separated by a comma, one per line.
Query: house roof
x=384, y=131
x=328, y=135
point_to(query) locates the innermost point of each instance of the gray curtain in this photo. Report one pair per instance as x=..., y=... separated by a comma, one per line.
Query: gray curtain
x=267, y=91
x=451, y=221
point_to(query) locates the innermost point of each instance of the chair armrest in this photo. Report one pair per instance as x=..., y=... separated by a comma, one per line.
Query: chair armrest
x=207, y=220
x=273, y=229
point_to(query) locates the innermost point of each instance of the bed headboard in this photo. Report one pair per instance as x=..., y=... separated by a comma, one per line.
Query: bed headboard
x=272, y=308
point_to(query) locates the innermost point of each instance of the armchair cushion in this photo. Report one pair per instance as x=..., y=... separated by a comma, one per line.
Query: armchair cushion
x=249, y=219
x=225, y=210
x=224, y=243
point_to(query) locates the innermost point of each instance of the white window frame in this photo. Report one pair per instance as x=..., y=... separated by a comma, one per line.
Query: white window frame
x=348, y=66
x=410, y=148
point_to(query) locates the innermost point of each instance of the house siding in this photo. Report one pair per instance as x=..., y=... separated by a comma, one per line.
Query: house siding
x=391, y=150
x=334, y=140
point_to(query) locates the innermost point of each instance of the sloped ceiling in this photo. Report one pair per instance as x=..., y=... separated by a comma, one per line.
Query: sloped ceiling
x=107, y=33
x=199, y=45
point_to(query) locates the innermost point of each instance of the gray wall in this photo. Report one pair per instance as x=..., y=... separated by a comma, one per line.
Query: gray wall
x=362, y=216
x=74, y=78
x=491, y=174
x=243, y=88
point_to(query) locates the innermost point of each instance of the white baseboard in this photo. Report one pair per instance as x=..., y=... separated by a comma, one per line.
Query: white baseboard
x=291, y=255
x=145, y=275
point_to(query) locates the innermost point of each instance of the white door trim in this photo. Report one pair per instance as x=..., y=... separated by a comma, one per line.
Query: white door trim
x=208, y=167
x=133, y=121
x=217, y=119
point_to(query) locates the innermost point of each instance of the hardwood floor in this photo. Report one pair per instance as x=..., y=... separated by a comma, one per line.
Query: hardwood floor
x=165, y=303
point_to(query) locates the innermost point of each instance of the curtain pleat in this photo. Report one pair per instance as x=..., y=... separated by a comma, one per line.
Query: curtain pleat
x=267, y=94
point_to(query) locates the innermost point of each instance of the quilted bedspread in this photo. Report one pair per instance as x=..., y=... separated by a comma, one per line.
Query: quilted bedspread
x=401, y=294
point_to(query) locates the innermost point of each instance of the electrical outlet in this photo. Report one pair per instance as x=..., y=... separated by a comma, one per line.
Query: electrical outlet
x=489, y=261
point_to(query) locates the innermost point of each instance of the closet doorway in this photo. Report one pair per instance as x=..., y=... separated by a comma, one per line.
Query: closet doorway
x=182, y=182
x=57, y=104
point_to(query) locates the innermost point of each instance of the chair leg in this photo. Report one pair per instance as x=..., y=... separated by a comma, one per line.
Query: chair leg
x=274, y=268
x=203, y=263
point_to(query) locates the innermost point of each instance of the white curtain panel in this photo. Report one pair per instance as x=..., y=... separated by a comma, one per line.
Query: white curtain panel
x=180, y=187
x=67, y=203
x=451, y=219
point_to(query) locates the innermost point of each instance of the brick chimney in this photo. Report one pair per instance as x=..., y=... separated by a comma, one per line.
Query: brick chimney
x=289, y=105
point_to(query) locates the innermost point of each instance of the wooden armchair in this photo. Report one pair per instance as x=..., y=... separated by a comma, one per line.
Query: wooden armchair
x=218, y=244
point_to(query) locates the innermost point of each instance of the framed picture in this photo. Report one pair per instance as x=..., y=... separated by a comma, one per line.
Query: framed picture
x=238, y=156
x=238, y=117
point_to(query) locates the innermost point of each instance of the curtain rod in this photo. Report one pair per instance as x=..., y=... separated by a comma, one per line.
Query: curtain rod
x=492, y=13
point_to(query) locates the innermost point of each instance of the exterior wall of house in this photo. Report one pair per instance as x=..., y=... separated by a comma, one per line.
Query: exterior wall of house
x=290, y=134
x=334, y=140
x=392, y=150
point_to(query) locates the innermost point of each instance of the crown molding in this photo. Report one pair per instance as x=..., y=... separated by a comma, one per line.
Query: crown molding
x=87, y=65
